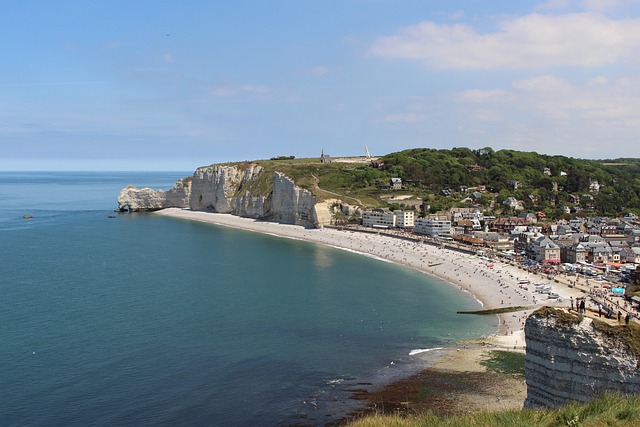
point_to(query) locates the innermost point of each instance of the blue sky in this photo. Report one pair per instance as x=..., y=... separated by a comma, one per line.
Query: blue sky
x=162, y=85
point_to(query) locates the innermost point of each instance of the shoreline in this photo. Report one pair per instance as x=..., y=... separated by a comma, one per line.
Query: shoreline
x=493, y=284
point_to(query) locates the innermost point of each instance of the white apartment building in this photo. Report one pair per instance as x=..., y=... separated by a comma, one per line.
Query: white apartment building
x=404, y=219
x=432, y=227
x=378, y=218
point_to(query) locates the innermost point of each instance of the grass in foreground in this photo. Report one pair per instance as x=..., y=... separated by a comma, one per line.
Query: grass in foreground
x=608, y=410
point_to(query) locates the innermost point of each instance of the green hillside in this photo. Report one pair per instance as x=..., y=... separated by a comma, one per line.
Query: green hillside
x=544, y=183
x=433, y=170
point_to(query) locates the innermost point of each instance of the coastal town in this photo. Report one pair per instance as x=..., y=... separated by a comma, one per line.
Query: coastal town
x=597, y=247
x=600, y=256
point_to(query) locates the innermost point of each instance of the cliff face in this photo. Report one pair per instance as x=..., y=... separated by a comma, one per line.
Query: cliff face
x=229, y=189
x=574, y=361
x=145, y=199
x=213, y=188
x=291, y=204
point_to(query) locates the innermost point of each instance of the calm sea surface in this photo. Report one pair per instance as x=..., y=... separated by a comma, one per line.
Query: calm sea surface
x=144, y=320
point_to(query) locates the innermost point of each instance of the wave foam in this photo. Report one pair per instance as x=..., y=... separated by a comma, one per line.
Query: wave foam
x=423, y=350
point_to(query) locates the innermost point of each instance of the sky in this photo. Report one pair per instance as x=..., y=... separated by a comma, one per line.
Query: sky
x=166, y=85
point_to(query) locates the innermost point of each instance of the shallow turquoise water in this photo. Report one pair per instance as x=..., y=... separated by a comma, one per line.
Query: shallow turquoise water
x=147, y=320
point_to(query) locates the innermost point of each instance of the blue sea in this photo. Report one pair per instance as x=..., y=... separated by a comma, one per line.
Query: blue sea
x=146, y=320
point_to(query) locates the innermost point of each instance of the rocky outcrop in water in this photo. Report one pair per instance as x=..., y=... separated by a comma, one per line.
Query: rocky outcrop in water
x=572, y=359
x=239, y=191
x=136, y=199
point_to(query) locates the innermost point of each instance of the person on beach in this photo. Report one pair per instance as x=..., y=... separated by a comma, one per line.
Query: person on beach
x=627, y=318
x=582, y=307
x=571, y=302
x=600, y=310
x=619, y=315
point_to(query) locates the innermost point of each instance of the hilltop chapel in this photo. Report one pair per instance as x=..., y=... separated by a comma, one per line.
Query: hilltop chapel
x=325, y=158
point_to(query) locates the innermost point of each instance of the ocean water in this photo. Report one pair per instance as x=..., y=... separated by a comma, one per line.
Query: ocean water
x=145, y=320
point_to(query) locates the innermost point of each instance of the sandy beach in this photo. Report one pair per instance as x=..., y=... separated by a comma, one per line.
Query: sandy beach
x=493, y=284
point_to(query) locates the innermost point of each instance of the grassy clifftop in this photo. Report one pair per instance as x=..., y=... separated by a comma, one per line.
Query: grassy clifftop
x=355, y=183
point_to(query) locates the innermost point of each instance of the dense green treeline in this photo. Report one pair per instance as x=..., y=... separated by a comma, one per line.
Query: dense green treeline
x=544, y=183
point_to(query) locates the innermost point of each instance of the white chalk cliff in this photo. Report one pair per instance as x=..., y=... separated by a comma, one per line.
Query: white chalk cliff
x=575, y=361
x=137, y=199
x=239, y=191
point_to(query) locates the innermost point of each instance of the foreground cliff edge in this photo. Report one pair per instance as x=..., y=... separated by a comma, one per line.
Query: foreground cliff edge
x=572, y=358
x=579, y=370
x=245, y=190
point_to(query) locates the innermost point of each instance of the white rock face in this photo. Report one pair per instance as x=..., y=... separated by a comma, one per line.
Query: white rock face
x=213, y=187
x=576, y=363
x=251, y=206
x=291, y=204
x=141, y=199
x=145, y=199
x=178, y=195
x=226, y=189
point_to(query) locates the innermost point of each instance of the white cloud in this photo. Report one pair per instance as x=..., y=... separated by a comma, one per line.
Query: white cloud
x=242, y=89
x=595, y=117
x=533, y=41
x=543, y=84
x=319, y=70
x=615, y=102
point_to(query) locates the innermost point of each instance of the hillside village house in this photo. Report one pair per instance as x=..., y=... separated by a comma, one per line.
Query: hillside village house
x=506, y=225
x=395, y=183
x=457, y=214
x=513, y=203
